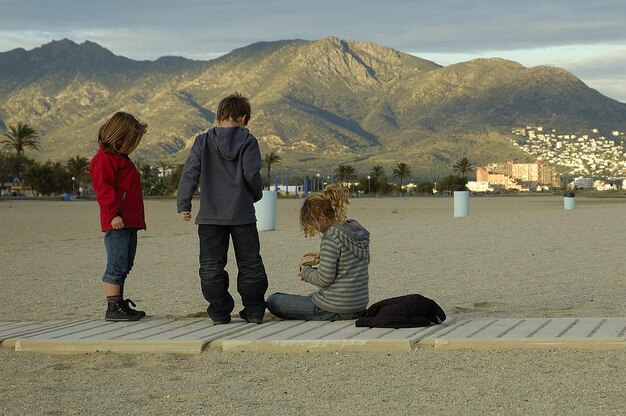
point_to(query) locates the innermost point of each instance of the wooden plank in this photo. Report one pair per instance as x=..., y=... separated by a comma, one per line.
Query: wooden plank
x=496, y=330
x=583, y=328
x=466, y=329
x=611, y=328
x=326, y=330
x=526, y=328
x=554, y=328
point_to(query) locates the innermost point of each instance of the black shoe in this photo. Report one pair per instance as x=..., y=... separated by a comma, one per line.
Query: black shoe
x=219, y=320
x=133, y=311
x=119, y=311
x=253, y=319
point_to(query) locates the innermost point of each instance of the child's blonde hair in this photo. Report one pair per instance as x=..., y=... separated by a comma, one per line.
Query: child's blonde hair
x=329, y=206
x=121, y=133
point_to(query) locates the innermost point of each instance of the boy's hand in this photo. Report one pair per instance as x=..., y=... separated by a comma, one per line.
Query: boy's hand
x=117, y=223
x=185, y=215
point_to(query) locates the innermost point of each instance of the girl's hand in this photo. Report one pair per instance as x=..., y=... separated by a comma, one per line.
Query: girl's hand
x=311, y=259
x=300, y=273
x=185, y=215
x=117, y=223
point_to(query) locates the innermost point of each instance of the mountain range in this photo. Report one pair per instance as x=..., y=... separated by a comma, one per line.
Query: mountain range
x=315, y=103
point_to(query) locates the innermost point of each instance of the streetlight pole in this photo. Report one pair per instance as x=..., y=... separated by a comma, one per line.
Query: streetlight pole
x=319, y=185
x=369, y=187
x=74, y=185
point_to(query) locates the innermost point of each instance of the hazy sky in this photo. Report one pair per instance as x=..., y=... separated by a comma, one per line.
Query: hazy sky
x=586, y=37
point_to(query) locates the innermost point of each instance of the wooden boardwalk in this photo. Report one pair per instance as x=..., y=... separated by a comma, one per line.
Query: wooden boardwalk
x=192, y=336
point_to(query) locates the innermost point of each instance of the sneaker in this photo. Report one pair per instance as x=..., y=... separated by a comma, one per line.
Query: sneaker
x=131, y=310
x=120, y=311
x=251, y=319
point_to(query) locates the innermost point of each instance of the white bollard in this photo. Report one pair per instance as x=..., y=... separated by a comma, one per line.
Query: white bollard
x=461, y=203
x=266, y=211
x=569, y=200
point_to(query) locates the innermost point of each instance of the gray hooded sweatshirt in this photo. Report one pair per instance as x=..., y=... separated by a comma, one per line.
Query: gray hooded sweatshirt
x=225, y=161
x=342, y=275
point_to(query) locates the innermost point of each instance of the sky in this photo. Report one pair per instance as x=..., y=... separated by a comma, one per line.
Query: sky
x=585, y=37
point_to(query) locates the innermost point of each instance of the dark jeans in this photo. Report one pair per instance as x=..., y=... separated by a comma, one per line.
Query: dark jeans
x=251, y=277
x=121, y=247
x=286, y=306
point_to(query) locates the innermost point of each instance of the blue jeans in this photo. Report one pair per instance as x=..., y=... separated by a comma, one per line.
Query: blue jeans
x=251, y=278
x=286, y=306
x=121, y=247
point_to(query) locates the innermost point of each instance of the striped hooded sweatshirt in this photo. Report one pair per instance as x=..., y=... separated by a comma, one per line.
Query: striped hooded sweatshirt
x=342, y=275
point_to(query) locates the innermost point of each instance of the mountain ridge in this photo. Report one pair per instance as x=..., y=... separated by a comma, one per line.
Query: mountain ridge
x=316, y=103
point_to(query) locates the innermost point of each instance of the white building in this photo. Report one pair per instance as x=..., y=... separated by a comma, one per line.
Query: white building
x=474, y=186
x=583, y=183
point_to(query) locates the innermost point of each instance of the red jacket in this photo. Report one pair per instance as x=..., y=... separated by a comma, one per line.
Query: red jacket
x=117, y=184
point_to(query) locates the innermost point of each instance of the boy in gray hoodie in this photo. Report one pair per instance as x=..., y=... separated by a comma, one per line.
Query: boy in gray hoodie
x=226, y=161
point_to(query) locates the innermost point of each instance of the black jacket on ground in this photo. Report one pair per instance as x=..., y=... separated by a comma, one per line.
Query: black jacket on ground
x=407, y=311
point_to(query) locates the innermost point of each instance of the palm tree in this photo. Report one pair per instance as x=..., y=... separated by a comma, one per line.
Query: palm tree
x=345, y=172
x=17, y=139
x=377, y=172
x=164, y=169
x=21, y=137
x=463, y=166
x=268, y=161
x=379, y=178
x=77, y=167
x=401, y=171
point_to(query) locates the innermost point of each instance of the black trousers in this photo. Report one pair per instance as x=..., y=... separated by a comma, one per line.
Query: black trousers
x=251, y=278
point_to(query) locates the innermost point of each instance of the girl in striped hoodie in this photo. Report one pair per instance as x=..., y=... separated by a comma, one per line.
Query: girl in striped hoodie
x=342, y=272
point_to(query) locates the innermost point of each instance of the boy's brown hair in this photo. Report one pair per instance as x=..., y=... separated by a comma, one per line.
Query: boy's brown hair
x=329, y=206
x=233, y=107
x=121, y=133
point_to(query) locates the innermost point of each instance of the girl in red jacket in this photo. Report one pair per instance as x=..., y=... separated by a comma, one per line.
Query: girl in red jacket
x=117, y=185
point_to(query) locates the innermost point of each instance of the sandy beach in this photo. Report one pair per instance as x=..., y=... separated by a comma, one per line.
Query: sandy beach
x=521, y=256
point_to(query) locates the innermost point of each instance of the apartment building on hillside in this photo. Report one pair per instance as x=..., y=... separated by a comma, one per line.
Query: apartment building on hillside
x=520, y=176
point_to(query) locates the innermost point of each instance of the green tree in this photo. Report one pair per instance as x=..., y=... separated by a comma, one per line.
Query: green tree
x=379, y=179
x=425, y=188
x=78, y=168
x=49, y=178
x=268, y=161
x=5, y=169
x=12, y=165
x=401, y=171
x=177, y=171
x=377, y=172
x=451, y=183
x=344, y=173
x=151, y=184
x=463, y=166
x=18, y=138
x=61, y=178
x=165, y=170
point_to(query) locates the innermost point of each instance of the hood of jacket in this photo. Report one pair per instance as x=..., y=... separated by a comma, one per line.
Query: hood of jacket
x=354, y=236
x=228, y=141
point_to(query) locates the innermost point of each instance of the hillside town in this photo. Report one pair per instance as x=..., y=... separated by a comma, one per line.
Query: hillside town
x=591, y=159
x=515, y=176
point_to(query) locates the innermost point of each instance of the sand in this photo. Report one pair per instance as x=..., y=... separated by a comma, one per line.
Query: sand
x=522, y=256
